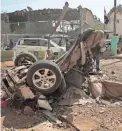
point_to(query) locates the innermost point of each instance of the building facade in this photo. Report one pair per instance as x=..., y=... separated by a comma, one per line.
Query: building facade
x=110, y=25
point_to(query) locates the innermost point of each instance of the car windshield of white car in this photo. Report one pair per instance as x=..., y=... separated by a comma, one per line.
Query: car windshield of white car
x=31, y=42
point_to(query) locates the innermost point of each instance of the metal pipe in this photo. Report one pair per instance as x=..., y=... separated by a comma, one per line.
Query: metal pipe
x=80, y=8
x=115, y=17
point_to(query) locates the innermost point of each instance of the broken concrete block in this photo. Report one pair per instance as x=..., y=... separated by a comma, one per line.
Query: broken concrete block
x=102, y=88
x=71, y=102
x=26, y=92
x=74, y=96
x=95, y=86
x=112, y=89
x=96, y=89
x=43, y=103
x=75, y=93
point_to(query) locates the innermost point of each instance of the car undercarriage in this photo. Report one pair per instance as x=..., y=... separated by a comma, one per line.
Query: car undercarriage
x=46, y=76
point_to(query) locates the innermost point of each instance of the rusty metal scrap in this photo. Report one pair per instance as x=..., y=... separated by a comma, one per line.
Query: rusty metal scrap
x=75, y=53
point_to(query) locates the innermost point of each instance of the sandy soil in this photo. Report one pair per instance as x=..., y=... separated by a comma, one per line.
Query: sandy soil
x=89, y=117
x=112, y=68
x=6, y=64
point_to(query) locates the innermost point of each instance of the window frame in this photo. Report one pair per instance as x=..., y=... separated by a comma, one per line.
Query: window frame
x=30, y=41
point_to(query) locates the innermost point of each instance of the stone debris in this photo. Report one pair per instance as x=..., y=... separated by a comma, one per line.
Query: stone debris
x=28, y=111
x=101, y=88
x=43, y=103
x=26, y=92
x=75, y=96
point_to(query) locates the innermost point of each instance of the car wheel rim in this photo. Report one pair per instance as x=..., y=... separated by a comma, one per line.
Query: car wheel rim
x=44, y=78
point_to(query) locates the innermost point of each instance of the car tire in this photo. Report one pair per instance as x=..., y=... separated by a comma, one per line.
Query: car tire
x=44, y=65
x=62, y=87
x=24, y=55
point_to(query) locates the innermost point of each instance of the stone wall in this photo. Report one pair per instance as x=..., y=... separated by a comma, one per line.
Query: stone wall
x=110, y=25
x=5, y=27
x=39, y=27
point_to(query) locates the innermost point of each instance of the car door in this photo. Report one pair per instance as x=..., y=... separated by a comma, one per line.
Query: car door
x=43, y=45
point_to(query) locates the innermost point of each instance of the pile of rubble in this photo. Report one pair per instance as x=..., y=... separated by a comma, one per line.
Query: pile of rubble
x=72, y=83
x=95, y=86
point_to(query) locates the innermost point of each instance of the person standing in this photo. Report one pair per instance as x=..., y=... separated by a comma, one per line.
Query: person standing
x=11, y=44
x=120, y=45
x=96, y=51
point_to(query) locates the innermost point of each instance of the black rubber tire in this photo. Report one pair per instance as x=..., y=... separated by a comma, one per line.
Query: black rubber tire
x=44, y=64
x=62, y=87
x=30, y=55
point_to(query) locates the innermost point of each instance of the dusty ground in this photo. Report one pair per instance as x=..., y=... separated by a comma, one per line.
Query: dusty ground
x=89, y=117
x=112, y=68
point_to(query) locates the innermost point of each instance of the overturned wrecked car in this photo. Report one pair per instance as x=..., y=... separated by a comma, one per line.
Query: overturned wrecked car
x=43, y=79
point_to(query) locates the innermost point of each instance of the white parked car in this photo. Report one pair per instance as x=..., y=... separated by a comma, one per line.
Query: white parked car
x=25, y=45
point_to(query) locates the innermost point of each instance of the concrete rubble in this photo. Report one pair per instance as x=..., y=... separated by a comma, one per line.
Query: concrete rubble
x=98, y=86
x=101, y=88
x=96, y=89
x=75, y=96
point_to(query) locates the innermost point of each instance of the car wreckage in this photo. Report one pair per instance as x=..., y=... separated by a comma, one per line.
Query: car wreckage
x=46, y=76
x=44, y=79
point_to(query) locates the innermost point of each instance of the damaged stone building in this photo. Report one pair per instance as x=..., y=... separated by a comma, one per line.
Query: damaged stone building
x=38, y=22
x=110, y=24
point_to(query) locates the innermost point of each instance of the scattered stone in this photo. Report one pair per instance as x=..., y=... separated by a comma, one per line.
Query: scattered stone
x=29, y=125
x=112, y=72
x=64, y=116
x=18, y=112
x=75, y=114
x=89, y=106
x=102, y=111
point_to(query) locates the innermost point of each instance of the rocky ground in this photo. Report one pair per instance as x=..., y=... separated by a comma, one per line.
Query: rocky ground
x=87, y=117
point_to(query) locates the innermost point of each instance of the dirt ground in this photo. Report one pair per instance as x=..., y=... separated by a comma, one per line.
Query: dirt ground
x=88, y=117
x=112, y=68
